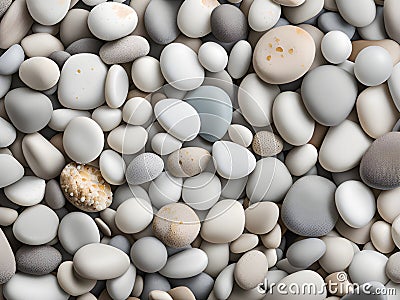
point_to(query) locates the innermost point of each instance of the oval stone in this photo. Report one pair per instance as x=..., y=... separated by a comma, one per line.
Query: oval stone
x=39, y=10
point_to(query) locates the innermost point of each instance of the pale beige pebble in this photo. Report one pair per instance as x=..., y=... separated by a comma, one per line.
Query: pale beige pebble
x=244, y=243
x=103, y=227
x=388, y=204
x=273, y=238
x=138, y=287
x=330, y=5
x=396, y=231
x=381, y=237
x=72, y=283
x=133, y=215
x=301, y=159
x=266, y=143
x=140, y=8
x=87, y=296
x=338, y=255
x=15, y=24
x=45, y=160
x=176, y=225
x=338, y=284
x=181, y=293
x=261, y=217
x=192, y=43
x=39, y=73
x=356, y=235
x=376, y=111
x=41, y=44
x=218, y=256
x=317, y=36
x=272, y=257
x=283, y=54
x=7, y=216
x=188, y=162
x=318, y=135
x=159, y=295
x=85, y=188
x=251, y=269
x=290, y=3
x=240, y=134
x=74, y=26
x=391, y=46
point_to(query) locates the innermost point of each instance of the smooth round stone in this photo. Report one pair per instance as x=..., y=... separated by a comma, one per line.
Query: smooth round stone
x=224, y=282
x=7, y=132
x=188, y=161
x=11, y=60
x=391, y=21
x=149, y=254
x=127, y=139
x=28, y=110
x=331, y=21
x=387, y=205
x=77, y=230
x=5, y=84
x=381, y=237
x=376, y=117
x=358, y=211
x=163, y=143
x=37, y=260
x=176, y=225
x=15, y=170
x=108, y=118
x=100, y=262
x=165, y=189
x=7, y=259
x=288, y=45
x=218, y=257
x=178, y=118
x=121, y=287
x=202, y=191
x=306, y=195
x=251, y=269
x=358, y=13
x=338, y=256
x=137, y=111
x=162, y=27
x=146, y=74
x=263, y=15
x=269, y=181
x=41, y=44
x=215, y=111
x=301, y=159
x=232, y=161
x=111, y=21
x=228, y=23
x=116, y=86
x=392, y=267
x=83, y=140
x=49, y=288
x=194, y=17
x=336, y=47
x=124, y=50
x=187, y=263
x=239, y=59
x=44, y=159
x=255, y=99
x=144, y=168
x=391, y=46
x=133, y=215
x=329, y=94
x=378, y=169
x=373, y=66
x=72, y=283
x=261, y=217
x=304, y=12
x=39, y=73
x=223, y=227
x=7, y=216
x=343, y=147
x=213, y=57
x=28, y=191
x=304, y=253
x=112, y=167
x=82, y=80
x=39, y=11
x=367, y=266
x=187, y=78
x=36, y=225
x=240, y=134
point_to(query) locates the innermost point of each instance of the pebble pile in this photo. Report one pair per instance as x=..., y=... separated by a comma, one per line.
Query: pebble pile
x=199, y=149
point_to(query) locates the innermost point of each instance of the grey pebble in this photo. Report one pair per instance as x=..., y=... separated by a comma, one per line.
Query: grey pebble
x=4, y=5
x=380, y=166
x=371, y=290
x=211, y=38
x=200, y=285
x=304, y=253
x=228, y=23
x=144, y=168
x=85, y=45
x=154, y=282
x=121, y=242
x=5, y=84
x=333, y=21
x=54, y=196
x=160, y=20
x=37, y=260
x=59, y=57
x=125, y=191
x=7, y=259
x=308, y=195
x=11, y=60
x=124, y=50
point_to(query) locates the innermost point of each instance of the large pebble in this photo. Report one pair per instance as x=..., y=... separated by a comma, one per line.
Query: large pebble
x=304, y=253
x=251, y=269
x=288, y=45
x=163, y=143
x=382, y=237
x=72, y=283
x=14, y=172
x=224, y=282
x=358, y=13
x=146, y=74
x=41, y=44
x=343, y=147
x=149, y=254
x=218, y=257
x=329, y=94
x=239, y=59
x=137, y=111
x=77, y=230
x=116, y=86
x=11, y=60
x=263, y=15
x=111, y=21
x=121, y=287
x=28, y=110
x=368, y=265
x=213, y=57
x=108, y=118
x=100, y=262
x=39, y=11
x=378, y=168
x=228, y=24
x=36, y=225
x=338, y=256
x=144, y=168
x=308, y=194
x=28, y=191
x=240, y=134
x=7, y=259
x=301, y=159
x=81, y=84
x=133, y=215
x=127, y=139
x=391, y=21
x=165, y=189
x=261, y=217
x=112, y=167
x=37, y=260
x=188, y=161
x=387, y=205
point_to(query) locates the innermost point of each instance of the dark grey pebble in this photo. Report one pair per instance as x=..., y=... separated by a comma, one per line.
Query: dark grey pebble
x=54, y=196
x=153, y=282
x=59, y=57
x=37, y=260
x=333, y=21
x=85, y=45
x=200, y=285
x=121, y=242
x=368, y=291
x=228, y=23
x=380, y=165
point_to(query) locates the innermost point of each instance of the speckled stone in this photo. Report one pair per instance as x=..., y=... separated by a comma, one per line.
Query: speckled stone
x=37, y=260
x=4, y=5
x=266, y=143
